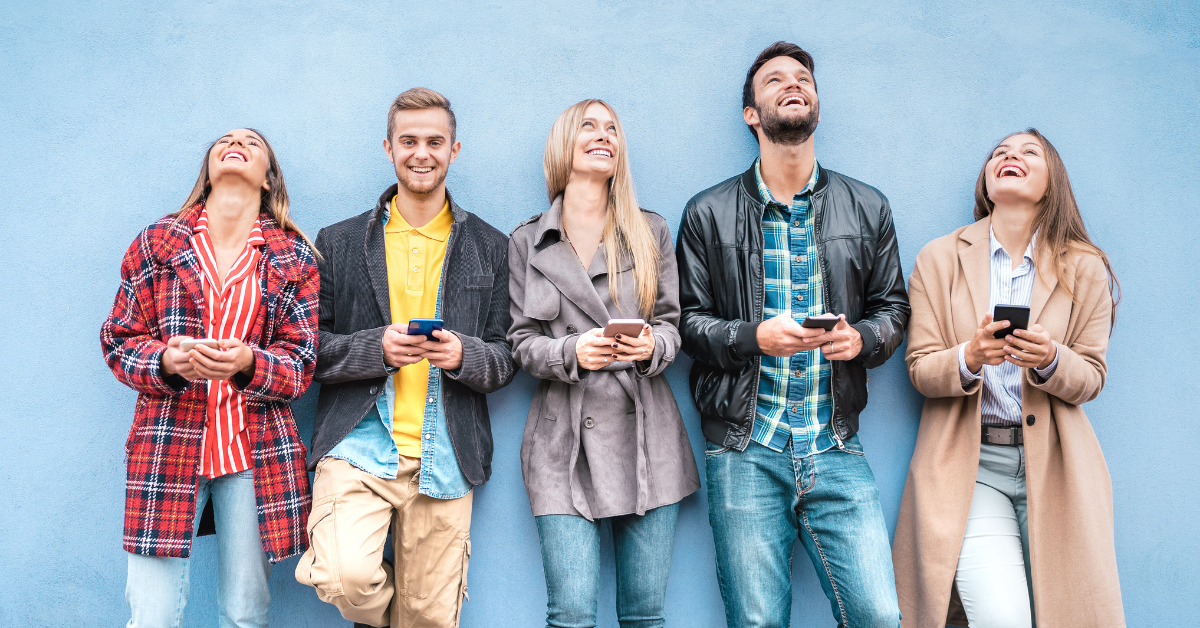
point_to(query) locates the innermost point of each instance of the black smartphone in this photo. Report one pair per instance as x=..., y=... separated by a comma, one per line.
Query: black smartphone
x=424, y=327
x=1016, y=315
x=821, y=321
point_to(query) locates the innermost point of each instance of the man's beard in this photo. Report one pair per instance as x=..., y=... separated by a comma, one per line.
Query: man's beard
x=419, y=188
x=784, y=130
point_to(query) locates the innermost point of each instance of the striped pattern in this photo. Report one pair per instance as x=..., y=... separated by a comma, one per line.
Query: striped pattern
x=229, y=312
x=794, y=399
x=1001, y=400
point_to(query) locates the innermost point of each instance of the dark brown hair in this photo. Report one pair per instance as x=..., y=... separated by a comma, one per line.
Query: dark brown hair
x=777, y=49
x=274, y=200
x=1059, y=224
x=420, y=98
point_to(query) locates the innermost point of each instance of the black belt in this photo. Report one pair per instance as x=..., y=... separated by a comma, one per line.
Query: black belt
x=1010, y=436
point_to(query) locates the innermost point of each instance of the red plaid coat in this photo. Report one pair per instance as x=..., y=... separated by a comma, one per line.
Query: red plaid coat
x=161, y=297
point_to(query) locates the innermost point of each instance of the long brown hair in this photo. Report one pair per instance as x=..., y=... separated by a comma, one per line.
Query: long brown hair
x=1059, y=224
x=625, y=229
x=274, y=200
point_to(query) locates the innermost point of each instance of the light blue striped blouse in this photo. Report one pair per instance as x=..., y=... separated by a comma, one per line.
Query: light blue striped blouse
x=1001, y=403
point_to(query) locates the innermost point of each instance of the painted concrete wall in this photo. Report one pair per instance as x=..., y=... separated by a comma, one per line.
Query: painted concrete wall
x=105, y=109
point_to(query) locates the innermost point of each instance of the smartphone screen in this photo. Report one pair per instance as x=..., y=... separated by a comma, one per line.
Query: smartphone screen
x=1016, y=315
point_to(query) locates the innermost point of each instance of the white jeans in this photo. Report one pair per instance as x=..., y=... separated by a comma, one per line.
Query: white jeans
x=993, y=573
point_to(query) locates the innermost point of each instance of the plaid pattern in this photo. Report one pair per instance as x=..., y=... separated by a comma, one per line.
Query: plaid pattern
x=794, y=399
x=161, y=296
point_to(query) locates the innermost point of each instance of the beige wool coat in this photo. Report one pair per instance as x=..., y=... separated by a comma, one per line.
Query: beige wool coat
x=1073, y=561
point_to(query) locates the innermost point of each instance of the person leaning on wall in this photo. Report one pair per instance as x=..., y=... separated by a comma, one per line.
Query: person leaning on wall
x=779, y=402
x=604, y=438
x=402, y=433
x=214, y=422
x=1008, y=501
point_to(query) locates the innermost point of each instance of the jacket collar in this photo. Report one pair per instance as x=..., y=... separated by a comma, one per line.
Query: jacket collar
x=750, y=186
x=175, y=247
x=976, y=260
x=385, y=201
x=550, y=221
x=560, y=264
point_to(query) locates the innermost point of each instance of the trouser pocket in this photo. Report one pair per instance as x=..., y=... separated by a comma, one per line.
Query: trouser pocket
x=318, y=567
x=466, y=559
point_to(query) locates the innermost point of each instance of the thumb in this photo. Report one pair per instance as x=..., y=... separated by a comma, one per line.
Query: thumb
x=987, y=320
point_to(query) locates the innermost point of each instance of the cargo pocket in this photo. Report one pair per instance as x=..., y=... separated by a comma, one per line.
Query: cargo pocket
x=466, y=558
x=319, y=567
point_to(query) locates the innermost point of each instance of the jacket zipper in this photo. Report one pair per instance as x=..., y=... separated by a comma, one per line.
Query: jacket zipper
x=825, y=296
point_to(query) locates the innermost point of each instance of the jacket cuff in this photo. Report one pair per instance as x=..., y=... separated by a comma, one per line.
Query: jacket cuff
x=472, y=356
x=870, y=338
x=745, y=339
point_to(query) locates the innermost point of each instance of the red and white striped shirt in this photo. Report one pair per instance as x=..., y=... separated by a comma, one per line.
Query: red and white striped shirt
x=230, y=310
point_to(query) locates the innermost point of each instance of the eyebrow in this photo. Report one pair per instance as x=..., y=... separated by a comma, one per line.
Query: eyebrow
x=1005, y=145
x=591, y=119
x=437, y=136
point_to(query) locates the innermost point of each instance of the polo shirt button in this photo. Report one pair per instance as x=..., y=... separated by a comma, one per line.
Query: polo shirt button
x=415, y=252
x=416, y=269
x=588, y=422
x=374, y=389
x=1030, y=419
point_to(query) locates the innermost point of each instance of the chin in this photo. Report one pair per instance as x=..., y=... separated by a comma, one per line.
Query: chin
x=421, y=187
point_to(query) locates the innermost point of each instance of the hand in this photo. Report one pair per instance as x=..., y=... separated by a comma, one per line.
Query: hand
x=1029, y=348
x=984, y=348
x=176, y=362
x=629, y=349
x=400, y=349
x=593, y=351
x=843, y=342
x=445, y=352
x=221, y=364
x=781, y=336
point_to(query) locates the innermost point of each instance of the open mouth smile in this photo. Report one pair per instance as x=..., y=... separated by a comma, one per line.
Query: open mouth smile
x=600, y=152
x=421, y=169
x=793, y=99
x=1010, y=170
x=235, y=155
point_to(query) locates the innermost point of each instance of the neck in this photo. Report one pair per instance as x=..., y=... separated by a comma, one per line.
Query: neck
x=786, y=169
x=1013, y=225
x=419, y=209
x=232, y=210
x=585, y=200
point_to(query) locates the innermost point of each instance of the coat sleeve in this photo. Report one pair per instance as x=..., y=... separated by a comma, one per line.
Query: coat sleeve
x=283, y=370
x=719, y=342
x=932, y=359
x=487, y=364
x=536, y=353
x=128, y=336
x=1082, y=368
x=887, y=309
x=665, y=323
x=343, y=357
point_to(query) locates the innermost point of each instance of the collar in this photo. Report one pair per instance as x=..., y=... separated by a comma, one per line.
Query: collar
x=550, y=220
x=255, y=238
x=383, y=204
x=996, y=246
x=279, y=246
x=436, y=229
x=764, y=192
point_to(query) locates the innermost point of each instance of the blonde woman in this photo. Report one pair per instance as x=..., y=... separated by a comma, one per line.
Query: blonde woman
x=604, y=439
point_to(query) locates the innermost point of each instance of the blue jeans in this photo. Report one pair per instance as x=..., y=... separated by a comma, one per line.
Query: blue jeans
x=571, y=559
x=760, y=501
x=157, y=588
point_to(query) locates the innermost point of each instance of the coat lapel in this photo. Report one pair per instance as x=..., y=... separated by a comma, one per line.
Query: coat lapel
x=376, y=256
x=556, y=259
x=976, y=264
x=176, y=251
x=1043, y=285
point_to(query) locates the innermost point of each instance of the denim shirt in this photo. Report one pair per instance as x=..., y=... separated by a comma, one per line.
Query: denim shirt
x=369, y=446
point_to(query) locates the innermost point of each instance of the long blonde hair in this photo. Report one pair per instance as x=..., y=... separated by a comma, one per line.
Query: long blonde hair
x=626, y=230
x=274, y=200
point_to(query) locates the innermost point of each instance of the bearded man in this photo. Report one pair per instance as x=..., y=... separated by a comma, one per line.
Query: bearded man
x=791, y=288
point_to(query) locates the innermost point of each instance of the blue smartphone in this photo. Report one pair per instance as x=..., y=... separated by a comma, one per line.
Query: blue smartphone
x=424, y=327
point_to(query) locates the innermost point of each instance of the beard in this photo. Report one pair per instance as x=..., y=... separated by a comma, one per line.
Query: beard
x=410, y=183
x=785, y=130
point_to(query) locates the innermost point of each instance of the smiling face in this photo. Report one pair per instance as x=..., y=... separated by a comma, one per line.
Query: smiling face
x=597, y=146
x=1016, y=171
x=420, y=149
x=239, y=154
x=785, y=107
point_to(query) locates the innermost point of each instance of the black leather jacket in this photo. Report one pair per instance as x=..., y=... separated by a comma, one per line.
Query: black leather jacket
x=720, y=252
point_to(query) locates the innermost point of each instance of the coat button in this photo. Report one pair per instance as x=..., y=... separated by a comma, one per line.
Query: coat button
x=571, y=329
x=1030, y=419
x=588, y=422
x=374, y=389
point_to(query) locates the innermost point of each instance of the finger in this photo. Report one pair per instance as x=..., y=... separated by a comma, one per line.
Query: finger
x=207, y=351
x=202, y=361
x=1020, y=343
x=995, y=327
x=174, y=341
x=987, y=320
x=842, y=325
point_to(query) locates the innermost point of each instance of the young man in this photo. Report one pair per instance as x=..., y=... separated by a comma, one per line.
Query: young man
x=779, y=402
x=402, y=431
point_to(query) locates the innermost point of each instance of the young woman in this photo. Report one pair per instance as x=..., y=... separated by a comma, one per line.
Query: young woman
x=604, y=439
x=213, y=422
x=1008, y=500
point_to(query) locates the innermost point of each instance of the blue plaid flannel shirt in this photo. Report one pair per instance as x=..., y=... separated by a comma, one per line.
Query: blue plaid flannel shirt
x=794, y=397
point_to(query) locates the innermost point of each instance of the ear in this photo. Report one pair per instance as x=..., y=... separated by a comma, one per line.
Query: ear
x=454, y=150
x=267, y=185
x=387, y=148
x=750, y=115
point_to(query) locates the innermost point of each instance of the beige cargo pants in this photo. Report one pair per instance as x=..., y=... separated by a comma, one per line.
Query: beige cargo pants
x=347, y=529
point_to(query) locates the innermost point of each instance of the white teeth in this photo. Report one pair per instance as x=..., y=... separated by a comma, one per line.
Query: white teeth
x=600, y=152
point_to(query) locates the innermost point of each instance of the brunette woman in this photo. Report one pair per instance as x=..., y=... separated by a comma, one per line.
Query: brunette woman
x=213, y=422
x=1008, y=500
x=604, y=439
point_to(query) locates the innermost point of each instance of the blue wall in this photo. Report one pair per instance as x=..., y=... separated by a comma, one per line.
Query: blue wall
x=106, y=108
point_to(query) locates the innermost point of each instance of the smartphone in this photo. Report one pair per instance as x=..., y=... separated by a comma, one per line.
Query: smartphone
x=822, y=321
x=424, y=327
x=624, y=326
x=1016, y=315
x=188, y=344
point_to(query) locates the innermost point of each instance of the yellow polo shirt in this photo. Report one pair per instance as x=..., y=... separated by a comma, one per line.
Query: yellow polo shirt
x=414, y=267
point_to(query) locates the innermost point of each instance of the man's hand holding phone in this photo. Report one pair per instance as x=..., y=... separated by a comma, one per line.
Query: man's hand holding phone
x=401, y=349
x=444, y=350
x=841, y=343
x=782, y=336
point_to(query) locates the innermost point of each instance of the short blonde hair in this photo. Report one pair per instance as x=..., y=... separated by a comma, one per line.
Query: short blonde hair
x=419, y=98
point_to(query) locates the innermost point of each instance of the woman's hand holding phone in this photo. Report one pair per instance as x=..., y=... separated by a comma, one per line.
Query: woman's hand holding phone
x=178, y=362
x=634, y=349
x=593, y=351
x=984, y=347
x=1029, y=348
x=220, y=364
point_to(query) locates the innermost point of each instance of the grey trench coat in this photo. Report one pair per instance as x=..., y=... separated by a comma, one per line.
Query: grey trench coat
x=597, y=443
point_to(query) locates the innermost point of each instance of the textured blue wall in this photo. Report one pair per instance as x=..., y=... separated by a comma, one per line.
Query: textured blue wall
x=106, y=109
